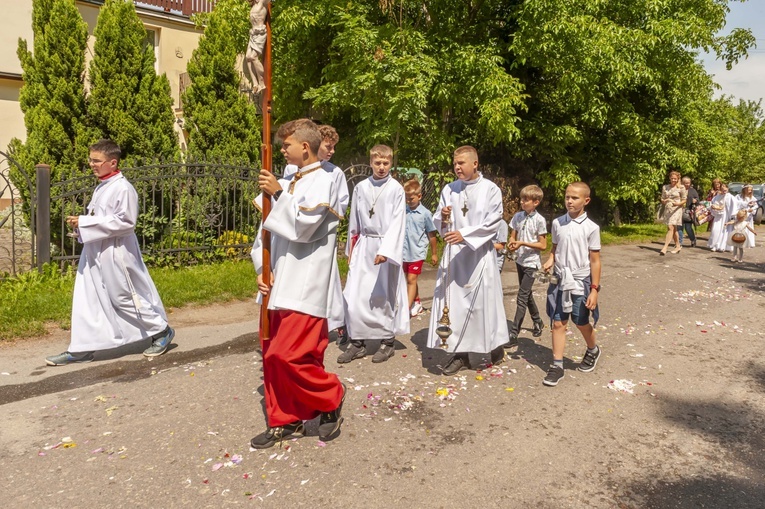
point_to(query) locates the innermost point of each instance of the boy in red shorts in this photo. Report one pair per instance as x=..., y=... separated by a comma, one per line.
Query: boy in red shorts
x=420, y=231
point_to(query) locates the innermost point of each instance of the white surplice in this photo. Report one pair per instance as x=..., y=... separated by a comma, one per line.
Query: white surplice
x=304, y=242
x=376, y=302
x=337, y=317
x=476, y=308
x=115, y=301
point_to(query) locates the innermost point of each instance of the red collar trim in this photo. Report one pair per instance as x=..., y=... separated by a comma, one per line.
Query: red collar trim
x=105, y=177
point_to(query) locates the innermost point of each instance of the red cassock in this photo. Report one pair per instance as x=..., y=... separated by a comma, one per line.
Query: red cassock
x=297, y=387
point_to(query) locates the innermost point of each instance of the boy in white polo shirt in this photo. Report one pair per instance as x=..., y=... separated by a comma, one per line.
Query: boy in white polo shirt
x=529, y=238
x=576, y=257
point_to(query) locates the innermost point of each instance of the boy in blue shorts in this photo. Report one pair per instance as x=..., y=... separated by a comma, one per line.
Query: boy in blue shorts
x=420, y=231
x=576, y=257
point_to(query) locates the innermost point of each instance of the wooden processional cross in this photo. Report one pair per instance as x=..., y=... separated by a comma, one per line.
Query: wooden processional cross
x=266, y=164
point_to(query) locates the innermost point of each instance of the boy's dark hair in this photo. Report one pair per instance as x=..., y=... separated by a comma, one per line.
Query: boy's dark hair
x=329, y=133
x=107, y=147
x=287, y=129
x=307, y=134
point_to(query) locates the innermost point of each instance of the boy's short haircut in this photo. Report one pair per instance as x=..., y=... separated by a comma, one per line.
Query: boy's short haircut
x=412, y=186
x=381, y=151
x=287, y=129
x=533, y=193
x=107, y=147
x=581, y=185
x=329, y=133
x=466, y=149
x=308, y=134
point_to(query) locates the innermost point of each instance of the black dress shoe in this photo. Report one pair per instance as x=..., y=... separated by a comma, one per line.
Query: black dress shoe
x=456, y=364
x=512, y=341
x=329, y=423
x=274, y=435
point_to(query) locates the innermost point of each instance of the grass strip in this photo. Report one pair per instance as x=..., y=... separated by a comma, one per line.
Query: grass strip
x=34, y=301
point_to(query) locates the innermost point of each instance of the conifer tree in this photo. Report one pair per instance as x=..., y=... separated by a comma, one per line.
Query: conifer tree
x=220, y=120
x=128, y=102
x=53, y=95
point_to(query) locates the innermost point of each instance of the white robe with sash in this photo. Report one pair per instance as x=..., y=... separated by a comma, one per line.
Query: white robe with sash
x=376, y=302
x=476, y=307
x=304, y=242
x=115, y=301
x=717, y=239
x=337, y=317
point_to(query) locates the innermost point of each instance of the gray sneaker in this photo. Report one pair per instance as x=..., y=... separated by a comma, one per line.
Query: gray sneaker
x=383, y=354
x=554, y=375
x=65, y=358
x=160, y=344
x=589, y=361
x=352, y=353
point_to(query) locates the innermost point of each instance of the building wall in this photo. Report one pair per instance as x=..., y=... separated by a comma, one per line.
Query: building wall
x=177, y=38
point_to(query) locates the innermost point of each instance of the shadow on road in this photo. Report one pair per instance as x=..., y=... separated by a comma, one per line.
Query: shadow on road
x=122, y=371
x=735, y=430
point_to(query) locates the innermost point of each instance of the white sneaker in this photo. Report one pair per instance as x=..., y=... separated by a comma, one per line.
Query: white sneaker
x=416, y=310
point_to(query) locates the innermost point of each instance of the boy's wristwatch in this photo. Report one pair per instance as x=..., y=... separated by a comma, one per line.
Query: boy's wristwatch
x=595, y=287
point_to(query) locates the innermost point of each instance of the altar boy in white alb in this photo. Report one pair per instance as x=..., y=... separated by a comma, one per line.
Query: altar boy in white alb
x=115, y=301
x=303, y=223
x=376, y=302
x=468, y=217
x=329, y=138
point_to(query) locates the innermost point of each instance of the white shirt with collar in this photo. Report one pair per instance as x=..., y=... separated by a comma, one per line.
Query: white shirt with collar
x=574, y=239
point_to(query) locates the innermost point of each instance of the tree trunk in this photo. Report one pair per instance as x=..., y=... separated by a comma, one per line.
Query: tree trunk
x=617, y=216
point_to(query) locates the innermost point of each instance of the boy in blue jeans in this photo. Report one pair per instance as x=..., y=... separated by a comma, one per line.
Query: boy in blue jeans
x=420, y=231
x=576, y=257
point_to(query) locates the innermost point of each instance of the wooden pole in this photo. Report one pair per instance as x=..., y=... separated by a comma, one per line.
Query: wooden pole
x=266, y=164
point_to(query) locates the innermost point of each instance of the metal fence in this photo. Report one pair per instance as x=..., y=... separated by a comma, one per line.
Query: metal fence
x=189, y=213
x=17, y=243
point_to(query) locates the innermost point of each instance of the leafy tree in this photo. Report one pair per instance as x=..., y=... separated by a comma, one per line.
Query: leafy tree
x=53, y=95
x=553, y=90
x=612, y=85
x=52, y=99
x=221, y=121
x=129, y=103
x=418, y=75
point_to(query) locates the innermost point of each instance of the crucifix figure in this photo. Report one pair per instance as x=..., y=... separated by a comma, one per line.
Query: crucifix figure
x=464, y=209
x=258, y=34
x=371, y=212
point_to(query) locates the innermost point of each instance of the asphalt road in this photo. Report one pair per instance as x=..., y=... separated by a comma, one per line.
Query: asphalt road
x=673, y=416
